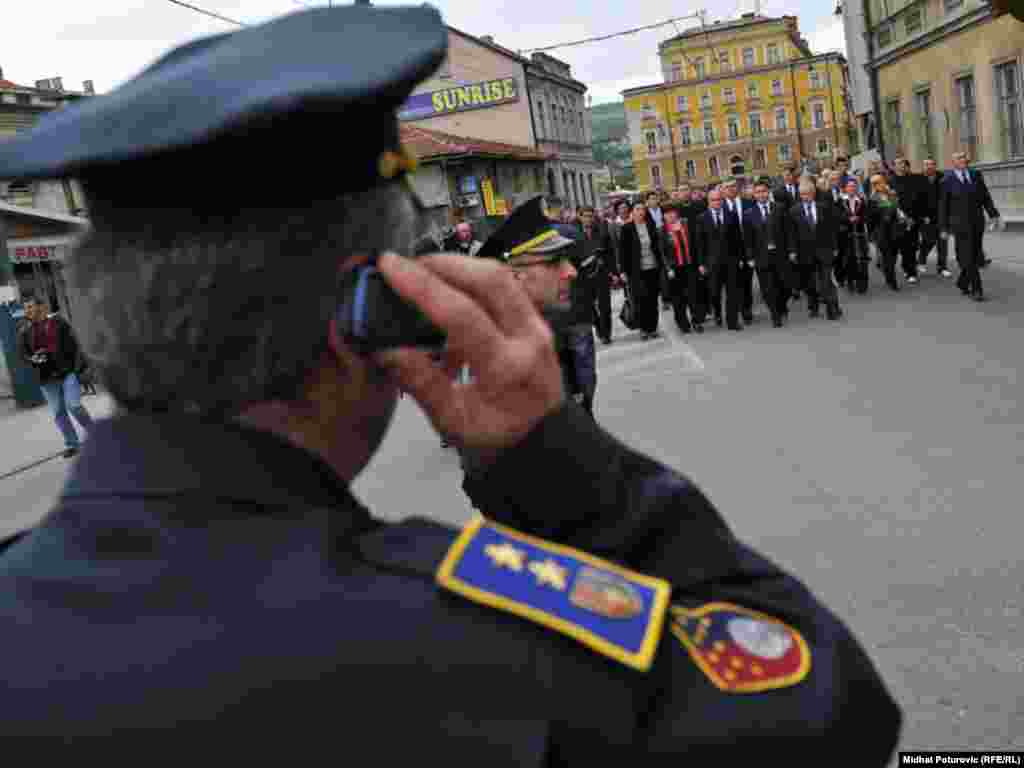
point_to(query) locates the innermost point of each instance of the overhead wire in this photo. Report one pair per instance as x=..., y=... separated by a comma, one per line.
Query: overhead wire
x=205, y=12
x=600, y=38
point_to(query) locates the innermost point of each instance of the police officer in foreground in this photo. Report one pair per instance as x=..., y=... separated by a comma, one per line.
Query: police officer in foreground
x=206, y=578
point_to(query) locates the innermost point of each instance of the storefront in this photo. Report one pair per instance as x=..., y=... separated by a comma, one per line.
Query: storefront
x=36, y=249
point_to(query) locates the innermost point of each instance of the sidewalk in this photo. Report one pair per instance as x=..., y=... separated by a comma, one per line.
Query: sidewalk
x=30, y=434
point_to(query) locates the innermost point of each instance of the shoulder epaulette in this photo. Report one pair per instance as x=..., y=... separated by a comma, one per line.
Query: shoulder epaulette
x=614, y=611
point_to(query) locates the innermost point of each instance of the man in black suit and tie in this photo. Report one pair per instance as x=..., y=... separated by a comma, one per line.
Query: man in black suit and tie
x=788, y=194
x=963, y=202
x=737, y=208
x=720, y=248
x=766, y=249
x=813, y=244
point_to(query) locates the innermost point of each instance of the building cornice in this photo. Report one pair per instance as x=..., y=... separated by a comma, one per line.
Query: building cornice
x=934, y=35
x=738, y=74
x=566, y=82
x=491, y=46
x=732, y=26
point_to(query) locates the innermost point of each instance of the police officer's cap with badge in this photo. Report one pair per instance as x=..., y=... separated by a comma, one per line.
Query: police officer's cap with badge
x=256, y=115
x=527, y=237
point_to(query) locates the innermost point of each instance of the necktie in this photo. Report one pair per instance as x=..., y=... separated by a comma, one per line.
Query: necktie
x=810, y=212
x=764, y=211
x=718, y=218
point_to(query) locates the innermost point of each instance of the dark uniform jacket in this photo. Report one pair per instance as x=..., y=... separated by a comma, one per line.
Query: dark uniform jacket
x=200, y=584
x=594, y=261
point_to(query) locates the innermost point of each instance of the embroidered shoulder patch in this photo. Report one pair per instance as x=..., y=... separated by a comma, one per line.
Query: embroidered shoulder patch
x=740, y=650
x=607, y=608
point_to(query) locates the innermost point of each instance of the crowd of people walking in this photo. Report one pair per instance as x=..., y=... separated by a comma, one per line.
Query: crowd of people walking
x=699, y=251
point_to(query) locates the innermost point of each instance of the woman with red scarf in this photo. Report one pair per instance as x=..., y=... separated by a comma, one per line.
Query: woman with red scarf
x=683, y=267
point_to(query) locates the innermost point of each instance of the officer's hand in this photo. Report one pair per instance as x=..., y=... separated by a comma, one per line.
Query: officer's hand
x=494, y=328
x=792, y=257
x=702, y=270
x=750, y=263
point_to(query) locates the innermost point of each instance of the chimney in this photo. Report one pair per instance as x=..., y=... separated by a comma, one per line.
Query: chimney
x=87, y=87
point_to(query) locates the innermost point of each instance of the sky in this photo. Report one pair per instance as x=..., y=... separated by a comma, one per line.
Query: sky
x=109, y=41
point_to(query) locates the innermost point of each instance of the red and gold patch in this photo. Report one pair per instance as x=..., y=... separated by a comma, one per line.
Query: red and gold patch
x=740, y=650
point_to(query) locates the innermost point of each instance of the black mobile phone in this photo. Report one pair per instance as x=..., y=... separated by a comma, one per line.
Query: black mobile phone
x=371, y=317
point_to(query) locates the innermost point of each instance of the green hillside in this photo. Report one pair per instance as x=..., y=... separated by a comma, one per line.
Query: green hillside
x=608, y=121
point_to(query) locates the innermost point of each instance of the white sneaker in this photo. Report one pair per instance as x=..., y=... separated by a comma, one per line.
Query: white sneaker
x=945, y=273
x=912, y=280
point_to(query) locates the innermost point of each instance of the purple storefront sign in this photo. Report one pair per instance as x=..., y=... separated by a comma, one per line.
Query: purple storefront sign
x=460, y=98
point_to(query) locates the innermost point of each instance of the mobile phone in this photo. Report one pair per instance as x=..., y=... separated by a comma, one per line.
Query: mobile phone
x=371, y=317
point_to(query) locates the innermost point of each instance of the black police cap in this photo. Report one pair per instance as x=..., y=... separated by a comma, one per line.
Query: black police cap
x=526, y=230
x=275, y=106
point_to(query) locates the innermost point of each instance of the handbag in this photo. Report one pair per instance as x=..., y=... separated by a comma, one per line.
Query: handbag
x=628, y=312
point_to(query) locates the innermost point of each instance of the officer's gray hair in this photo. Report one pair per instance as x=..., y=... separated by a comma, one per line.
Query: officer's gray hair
x=188, y=311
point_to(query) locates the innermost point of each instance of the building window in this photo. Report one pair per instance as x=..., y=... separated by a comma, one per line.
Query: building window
x=734, y=129
x=709, y=133
x=822, y=146
x=952, y=5
x=652, y=143
x=724, y=65
x=656, y=175
x=538, y=180
x=776, y=87
x=729, y=95
x=748, y=58
x=922, y=101
x=685, y=137
x=752, y=89
x=517, y=181
x=819, y=116
x=894, y=123
x=781, y=124
x=583, y=127
x=713, y=167
x=683, y=103
x=677, y=71
x=912, y=21
x=968, y=119
x=755, y=125
x=785, y=154
x=760, y=159
x=884, y=35
x=815, y=76
x=698, y=67
x=661, y=132
x=540, y=113
x=774, y=57
x=705, y=100
x=691, y=168
x=1008, y=93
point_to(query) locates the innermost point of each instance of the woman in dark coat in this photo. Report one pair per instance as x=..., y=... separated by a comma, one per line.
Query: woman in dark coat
x=887, y=224
x=642, y=264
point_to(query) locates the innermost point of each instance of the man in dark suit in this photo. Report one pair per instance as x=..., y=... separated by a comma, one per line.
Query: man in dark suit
x=788, y=193
x=766, y=250
x=930, y=221
x=720, y=248
x=598, y=260
x=812, y=239
x=834, y=196
x=737, y=208
x=963, y=202
x=912, y=191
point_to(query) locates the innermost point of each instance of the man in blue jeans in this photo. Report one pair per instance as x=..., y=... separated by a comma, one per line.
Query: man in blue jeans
x=48, y=344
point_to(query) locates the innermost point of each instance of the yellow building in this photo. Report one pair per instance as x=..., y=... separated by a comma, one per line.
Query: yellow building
x=740, y=98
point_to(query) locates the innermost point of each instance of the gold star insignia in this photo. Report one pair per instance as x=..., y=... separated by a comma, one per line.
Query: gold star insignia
x=549, y=572
x=506, y=555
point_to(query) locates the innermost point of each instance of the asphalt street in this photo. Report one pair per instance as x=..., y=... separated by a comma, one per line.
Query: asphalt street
x=878, y=458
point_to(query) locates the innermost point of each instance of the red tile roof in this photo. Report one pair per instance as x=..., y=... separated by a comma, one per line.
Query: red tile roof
x=7, y=85
x=426, y=143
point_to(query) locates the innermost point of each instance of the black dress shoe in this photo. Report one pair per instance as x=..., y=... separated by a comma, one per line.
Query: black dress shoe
x=70, y=453
x=698, y=328
x=718, y=322
x=735, y=327
x=748, y=319
x=813, y=313
x=777, y=322
x=979, y=297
